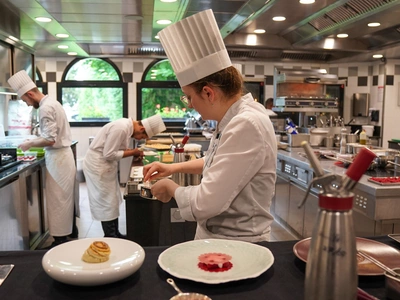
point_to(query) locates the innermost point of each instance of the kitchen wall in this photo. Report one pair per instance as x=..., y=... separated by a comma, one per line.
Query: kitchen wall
x=381, y=80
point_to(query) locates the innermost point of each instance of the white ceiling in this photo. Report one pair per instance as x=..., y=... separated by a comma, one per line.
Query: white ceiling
x=128, y=28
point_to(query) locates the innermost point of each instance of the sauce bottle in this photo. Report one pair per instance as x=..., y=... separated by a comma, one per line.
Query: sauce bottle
x=363, y=137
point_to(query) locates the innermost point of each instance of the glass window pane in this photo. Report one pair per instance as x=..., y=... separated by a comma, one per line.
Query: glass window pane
x=84, y=104
x=92, y=69
x=165, y=101
x=161, y=71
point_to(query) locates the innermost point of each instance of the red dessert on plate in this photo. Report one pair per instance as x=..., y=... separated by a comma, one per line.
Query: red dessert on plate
x=215, y=262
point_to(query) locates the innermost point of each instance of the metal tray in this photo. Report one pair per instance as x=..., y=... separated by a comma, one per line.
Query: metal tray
x=395, y=237
x=384, y=183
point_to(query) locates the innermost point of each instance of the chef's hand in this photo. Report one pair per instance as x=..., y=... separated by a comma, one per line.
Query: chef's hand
x=138, y=153
x=164, y=190
x=26, y=145
x=156, y=170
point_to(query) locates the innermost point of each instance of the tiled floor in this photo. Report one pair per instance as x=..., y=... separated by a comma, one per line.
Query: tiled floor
x=92, y=228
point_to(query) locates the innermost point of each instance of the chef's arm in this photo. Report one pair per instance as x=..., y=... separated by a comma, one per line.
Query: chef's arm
x=37, y=142
x=133, y=152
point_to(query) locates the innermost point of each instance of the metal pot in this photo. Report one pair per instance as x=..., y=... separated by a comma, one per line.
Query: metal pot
x=352, y=138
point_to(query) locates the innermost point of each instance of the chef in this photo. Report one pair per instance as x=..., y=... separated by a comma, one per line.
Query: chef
x=239, y=170
x=55, y=137
x=100, y=166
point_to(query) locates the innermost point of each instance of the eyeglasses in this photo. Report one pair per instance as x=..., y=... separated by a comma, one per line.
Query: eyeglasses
x=186, y=100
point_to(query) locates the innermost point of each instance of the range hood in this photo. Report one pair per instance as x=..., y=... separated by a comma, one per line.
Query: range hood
x=301, y=90
x=305, y=76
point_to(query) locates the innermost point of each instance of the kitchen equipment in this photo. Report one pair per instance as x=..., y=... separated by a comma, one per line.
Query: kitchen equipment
x=343, y=141
x=295, y=140
x=318, y=135
x=360, y=104
x=369, y=130
x=331, y=270
x=179, y=156
x=329, y=141
x=378, y=263
x=186, y=296
x=390, y=256
x=145, y=192
x=4, y=271
x=392, y=284
x=352, y=138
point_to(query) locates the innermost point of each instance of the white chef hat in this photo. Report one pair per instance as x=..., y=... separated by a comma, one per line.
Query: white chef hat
x=195, y=47
x=21, y=83
x=153, y=125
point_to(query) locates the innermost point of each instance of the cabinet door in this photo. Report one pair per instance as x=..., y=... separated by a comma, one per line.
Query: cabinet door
x=34, y=206
x=296, y=215
x=310, y=215
x=281, y=198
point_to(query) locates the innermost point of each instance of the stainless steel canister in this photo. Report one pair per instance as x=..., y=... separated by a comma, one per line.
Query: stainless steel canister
x=329, y=142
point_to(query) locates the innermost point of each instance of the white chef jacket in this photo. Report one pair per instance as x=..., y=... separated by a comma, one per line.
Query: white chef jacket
x=60, y=166
x=100, y=167
x=234, y=197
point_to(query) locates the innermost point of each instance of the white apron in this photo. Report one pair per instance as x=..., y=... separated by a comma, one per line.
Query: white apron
x=60, y=182
x=102, y=183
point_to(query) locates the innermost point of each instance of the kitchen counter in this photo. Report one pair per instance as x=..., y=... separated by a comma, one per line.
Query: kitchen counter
x=23, y=219
x=16, y=170
x=329, y=167
x=284, y=280
x=376, y=208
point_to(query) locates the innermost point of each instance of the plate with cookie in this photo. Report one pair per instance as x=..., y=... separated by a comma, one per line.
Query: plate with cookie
x=93, y=261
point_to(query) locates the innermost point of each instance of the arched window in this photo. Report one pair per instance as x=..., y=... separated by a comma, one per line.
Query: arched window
x=159, y=92
x=92, y=92
x=42, y=86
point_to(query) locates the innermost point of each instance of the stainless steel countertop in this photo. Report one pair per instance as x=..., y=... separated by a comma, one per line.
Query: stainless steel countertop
x=329, y=167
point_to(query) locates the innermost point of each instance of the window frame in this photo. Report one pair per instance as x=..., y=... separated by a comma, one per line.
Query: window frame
x=94, y=84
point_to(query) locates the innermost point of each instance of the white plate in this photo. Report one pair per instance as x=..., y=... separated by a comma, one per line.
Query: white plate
x=248, y=260
x=64, y=263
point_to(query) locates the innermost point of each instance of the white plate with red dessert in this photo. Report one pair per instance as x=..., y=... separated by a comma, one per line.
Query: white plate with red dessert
x=65, y=263
x=216, y=261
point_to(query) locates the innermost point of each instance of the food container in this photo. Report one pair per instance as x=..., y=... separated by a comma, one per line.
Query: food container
x=369, y=129
x=295, y=140
x=145, y=190
x=352, y=138
x=392, y=284
x=318, y=135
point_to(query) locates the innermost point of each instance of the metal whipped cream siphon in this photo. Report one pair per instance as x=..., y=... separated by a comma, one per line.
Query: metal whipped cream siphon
x=331, y=270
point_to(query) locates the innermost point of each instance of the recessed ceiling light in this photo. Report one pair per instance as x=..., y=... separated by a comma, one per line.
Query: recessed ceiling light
x=377, y=56
x=259, y=31
x=342, y=35
x=307, y=1
x=329, y=43
x=279, y=18
x=62, y=35
x=374, y=24
x=43, y=19
x=62, y=46
x=157, y=37
x=164, y=22
x=72, y=53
